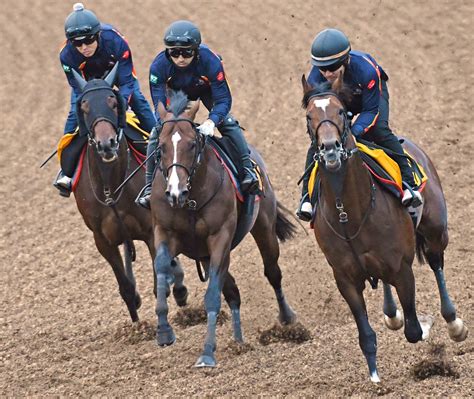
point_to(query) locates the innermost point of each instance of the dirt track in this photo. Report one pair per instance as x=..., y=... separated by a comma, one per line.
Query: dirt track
x=64, y=329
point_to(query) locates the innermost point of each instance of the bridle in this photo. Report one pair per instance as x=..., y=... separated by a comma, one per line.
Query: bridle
x=199, y=148
x=345, y=153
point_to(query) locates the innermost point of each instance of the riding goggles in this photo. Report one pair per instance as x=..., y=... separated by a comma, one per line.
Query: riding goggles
x=185, y=52
x=332, y=67
x=87, y=40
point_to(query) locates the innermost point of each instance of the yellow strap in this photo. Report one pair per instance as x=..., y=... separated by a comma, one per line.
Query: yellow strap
x=133, y=121
x=65, y=141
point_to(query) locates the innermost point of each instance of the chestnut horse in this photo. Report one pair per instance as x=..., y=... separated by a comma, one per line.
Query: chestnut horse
x=195, y=210
x=113, y=217
x=364, y=231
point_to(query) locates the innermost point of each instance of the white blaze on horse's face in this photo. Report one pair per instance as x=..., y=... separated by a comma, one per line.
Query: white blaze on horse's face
x=173, y=183
x=322, y=103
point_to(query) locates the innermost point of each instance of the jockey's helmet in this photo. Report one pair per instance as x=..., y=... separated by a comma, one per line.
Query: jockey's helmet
x=330, y=47
x=182, y=34
x=81, y=22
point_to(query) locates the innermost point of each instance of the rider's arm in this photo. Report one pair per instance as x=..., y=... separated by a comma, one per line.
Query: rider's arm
x=157, y=80
x=371, y=92
x=221, y=96
x=125, y=73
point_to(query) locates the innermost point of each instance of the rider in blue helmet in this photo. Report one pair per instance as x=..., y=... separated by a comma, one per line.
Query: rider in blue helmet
x=92, y=49
x=188, y=65
x=332, y=58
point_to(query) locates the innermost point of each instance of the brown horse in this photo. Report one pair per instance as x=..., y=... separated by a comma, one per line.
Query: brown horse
x=195, y=211
x=365, y=233
x=113, y=217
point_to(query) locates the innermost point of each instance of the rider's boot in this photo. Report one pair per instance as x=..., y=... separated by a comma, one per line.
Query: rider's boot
x=305, y=209
x=144, y=196
x=411, y=196
x=248, y=181
x=63, y=183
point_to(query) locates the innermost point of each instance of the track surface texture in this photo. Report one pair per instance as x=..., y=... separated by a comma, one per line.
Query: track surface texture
x=64, y=329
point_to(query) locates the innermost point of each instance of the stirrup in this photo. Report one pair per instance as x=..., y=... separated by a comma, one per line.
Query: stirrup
x=64, y=184
x=305, y=209
x=411, y=198
x=144, y=196
x=249, y=183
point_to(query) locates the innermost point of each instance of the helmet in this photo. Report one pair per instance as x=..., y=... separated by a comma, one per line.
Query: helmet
x=330, y=47
x=81, y=22
x=182, y=34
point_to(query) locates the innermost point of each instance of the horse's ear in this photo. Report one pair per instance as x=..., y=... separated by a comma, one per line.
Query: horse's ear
x=337, y=84
x=161, y=110
x=193, y=109
x=306, y=85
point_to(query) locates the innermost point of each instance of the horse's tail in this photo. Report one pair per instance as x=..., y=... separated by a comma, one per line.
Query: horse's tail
x=420, y=248
x=285, y=229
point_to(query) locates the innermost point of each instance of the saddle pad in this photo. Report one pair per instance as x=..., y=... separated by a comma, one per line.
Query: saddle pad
x=384, y=169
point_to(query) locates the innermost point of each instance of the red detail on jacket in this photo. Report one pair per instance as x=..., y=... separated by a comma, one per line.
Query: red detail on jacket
x=220, y=76
x=126, y=54
x=371, y=84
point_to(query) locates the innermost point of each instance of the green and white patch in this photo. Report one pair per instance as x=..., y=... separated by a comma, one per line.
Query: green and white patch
x=153, y=78
x=66, y=68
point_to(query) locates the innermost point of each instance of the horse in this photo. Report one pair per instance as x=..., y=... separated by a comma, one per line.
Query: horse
x=195, y=212
x=365, y=233
x=114, y=218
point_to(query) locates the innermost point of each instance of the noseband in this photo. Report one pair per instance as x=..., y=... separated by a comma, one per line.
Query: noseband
x=340, y=148
x=201, y=142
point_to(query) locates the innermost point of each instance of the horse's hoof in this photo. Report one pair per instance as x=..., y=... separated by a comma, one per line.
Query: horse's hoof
x=374, y=377
x=205, y=361
x=457, y=330
x=165, y=336
x=426, y=322
x=138, y=301
x=287, y=315
x=180, y=296
x=395, y=322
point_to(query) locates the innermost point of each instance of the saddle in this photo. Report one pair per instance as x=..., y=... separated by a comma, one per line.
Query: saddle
x=382, y=167
x=229, y=158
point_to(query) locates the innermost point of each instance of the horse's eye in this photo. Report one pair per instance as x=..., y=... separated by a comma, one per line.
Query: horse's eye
x=192, y=145
x=308, y=118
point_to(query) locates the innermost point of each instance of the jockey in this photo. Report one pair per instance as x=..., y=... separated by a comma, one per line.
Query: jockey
x=192, y=67
x=92, y=49
x=332, y=57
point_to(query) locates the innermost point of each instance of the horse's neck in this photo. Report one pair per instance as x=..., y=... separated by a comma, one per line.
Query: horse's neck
x=208, y=175
x=108, y=175
x=354, y=188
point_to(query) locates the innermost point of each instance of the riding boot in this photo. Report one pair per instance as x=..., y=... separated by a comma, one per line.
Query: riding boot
x=152, y=154
x=305, y=209
x=63, y=183
x=248, y=178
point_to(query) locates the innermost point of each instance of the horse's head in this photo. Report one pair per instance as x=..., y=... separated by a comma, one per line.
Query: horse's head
x=101, y=114
x=181, y=147
x=328, y=125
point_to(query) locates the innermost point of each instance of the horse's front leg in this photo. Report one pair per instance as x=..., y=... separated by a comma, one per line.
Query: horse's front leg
x=219, y=265
x=392, y=317
x=164, y=277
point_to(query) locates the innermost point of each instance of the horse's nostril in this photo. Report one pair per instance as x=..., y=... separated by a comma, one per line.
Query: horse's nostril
x=184, y=193
x=112, y=142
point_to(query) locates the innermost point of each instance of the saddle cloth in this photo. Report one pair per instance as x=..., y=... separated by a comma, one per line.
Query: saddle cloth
x=228, y=159
x=384, y=169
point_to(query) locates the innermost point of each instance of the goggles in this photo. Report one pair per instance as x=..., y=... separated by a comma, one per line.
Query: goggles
x=185, y=52
x=87, y=40
x=332, y=67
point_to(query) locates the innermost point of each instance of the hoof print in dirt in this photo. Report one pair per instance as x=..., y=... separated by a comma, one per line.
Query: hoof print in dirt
x=135, y=333
x=191, y=316
x=435, y=364
x=293, y=333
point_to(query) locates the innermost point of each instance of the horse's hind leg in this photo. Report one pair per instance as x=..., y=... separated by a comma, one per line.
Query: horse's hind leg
x=392, y=317
x=367, y=338
x=180, y=292
x=405, y=285
x=232, y=297
x=127, y=287
x=264, y=235
x=456, y=328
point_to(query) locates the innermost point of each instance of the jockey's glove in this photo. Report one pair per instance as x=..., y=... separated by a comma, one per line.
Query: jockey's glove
x=207, y=128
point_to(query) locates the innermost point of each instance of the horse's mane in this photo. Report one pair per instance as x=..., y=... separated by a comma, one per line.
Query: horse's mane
x=178, y=102
x=344, y=94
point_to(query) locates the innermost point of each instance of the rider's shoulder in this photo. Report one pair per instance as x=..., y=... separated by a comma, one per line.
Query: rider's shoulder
x=207, y=55
x=160, y=61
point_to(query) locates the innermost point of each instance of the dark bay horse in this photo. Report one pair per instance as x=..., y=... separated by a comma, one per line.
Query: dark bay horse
x=113, y=217
x=195, y=211
x=365, y=233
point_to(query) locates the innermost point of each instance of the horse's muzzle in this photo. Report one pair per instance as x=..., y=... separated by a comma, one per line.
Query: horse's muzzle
x=177, y=199
x=108, y=151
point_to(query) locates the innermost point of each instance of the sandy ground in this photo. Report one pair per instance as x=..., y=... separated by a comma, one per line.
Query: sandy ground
x=64, y=329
